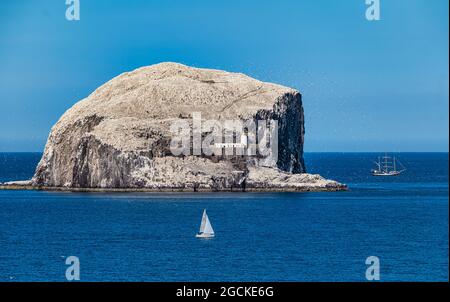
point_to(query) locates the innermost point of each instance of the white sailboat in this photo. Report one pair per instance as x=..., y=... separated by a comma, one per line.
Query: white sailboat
x=206, y=230
x=387, y=166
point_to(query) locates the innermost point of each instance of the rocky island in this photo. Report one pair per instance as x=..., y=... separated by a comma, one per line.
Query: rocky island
x=119, y=137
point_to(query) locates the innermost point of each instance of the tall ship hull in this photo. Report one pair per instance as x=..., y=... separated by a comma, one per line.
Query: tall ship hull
x=392, y=173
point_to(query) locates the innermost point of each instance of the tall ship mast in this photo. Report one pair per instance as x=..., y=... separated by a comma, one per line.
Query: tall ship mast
x=387, y=166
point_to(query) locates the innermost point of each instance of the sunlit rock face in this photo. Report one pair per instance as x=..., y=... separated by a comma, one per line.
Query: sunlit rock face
x=119, y=136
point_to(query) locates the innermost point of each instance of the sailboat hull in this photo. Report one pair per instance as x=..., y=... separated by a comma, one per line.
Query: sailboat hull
x=204, y=235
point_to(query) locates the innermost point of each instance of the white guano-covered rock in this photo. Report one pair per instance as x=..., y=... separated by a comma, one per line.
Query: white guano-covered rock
x=119, y=136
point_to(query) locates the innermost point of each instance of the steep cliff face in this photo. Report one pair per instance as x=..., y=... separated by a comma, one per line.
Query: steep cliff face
x=119, y=136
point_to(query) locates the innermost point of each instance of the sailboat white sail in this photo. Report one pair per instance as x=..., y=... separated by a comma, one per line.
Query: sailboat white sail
x=206, y=230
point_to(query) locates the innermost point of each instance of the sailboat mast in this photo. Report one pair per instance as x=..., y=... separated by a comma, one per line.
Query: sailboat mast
x=385, y=163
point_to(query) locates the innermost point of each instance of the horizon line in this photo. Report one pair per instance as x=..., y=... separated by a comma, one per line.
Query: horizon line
x=390, y=152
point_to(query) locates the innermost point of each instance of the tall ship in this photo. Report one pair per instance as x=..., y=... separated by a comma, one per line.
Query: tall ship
x=388, y=166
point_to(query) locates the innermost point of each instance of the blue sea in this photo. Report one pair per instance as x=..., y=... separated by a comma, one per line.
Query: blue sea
x=259, y=236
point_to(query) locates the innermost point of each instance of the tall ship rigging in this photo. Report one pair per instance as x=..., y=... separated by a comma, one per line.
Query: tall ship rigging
x=388, y=166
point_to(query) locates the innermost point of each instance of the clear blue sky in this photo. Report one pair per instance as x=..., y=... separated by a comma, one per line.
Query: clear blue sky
x=367, y=86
